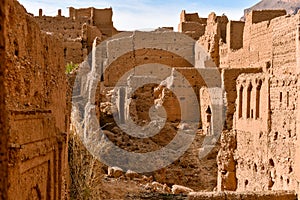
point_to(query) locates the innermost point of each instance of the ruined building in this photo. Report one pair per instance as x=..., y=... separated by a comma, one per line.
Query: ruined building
x=259, y=59
x=259, y=67
x=78, y=31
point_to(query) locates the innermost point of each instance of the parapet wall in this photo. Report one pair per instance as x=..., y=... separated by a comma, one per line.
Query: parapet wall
x=257, y=16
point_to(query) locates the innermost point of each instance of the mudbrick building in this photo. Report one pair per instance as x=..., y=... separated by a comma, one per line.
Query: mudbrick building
x=259, y=61
x=261, y=148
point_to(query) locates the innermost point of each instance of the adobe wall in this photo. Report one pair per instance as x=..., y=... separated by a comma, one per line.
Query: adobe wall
x=70, y=32
x=215, y=32
x=234, y=35
x=117, y=69
x=266, y=155
x=251, y=154
x=79, y=30
x=3, y=117
x=263, y=49
x=192, y=25
x=35, y=83
x=259, y=43
x=257, y=16
x=189, y=165
x=284, y=33
x=229, y=77
x=282, y=136
x=297, y=144
x=278, y=195
x=141, y=56
x=101, y=18
x=223, y=40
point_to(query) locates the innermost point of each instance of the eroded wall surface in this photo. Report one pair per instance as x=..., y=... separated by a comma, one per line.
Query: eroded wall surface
x=266, y=104
x=3, y=124
x=258, y=62
x=35, y=86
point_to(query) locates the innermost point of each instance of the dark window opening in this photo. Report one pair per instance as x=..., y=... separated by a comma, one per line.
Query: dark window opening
x=287, y=99
x=249, y=91
x=280, y=97
x=241, y=102
x=276, y=136
x=257, y=105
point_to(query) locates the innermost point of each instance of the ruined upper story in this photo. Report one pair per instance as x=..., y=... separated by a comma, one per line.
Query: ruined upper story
x=79, y=30
x=192, y=25
x=260, y=42
x=100, y=18
x=255, y=43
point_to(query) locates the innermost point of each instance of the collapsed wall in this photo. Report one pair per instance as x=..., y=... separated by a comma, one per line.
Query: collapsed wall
x=78, y=31
x=35, y=99
x=146, y=59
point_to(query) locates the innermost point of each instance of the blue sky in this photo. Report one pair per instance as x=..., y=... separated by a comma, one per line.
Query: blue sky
x=144, y=14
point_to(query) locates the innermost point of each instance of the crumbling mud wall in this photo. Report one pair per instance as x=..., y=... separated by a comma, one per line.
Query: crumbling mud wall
x=192, y=25
x=78, y=31
x=198, y=173
x=256, y=32
x=3, y=117
x=215, y=32
x=258, y=62
x=276, y=143
x=35, y=88
x=264, y=122
x=230, y=76
x=252, y=111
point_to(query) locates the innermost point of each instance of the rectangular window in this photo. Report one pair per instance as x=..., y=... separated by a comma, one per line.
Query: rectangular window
x=241, y=102
x=257, y=103
x=287, y=99
x=249, y=91
x=280, y=97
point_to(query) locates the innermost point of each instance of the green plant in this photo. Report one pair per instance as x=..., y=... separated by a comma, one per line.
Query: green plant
x=70, y=67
